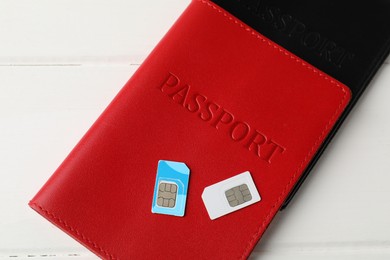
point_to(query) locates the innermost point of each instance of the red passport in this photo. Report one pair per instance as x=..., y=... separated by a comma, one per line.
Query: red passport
x=221, y=98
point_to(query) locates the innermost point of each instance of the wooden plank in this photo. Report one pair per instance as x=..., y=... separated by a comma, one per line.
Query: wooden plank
x=85, y=31
x=74, y=32
x=44, y=111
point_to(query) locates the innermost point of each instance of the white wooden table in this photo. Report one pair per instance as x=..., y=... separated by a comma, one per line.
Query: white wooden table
x=61, y=62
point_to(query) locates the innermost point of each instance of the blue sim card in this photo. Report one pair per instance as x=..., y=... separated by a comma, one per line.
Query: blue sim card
x=170, y=190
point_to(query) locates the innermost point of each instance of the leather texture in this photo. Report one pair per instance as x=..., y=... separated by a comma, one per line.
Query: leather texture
x=347, y=40
x=221, y=98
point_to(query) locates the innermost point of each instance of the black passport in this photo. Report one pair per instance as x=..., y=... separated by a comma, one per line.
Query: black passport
x=349, y=40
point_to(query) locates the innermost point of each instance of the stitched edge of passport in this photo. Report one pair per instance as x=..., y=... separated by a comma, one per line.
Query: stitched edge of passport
x=257, y=35
x=255, y=237
x=65, y=225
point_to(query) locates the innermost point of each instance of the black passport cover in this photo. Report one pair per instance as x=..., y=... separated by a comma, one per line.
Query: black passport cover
x=349, y=40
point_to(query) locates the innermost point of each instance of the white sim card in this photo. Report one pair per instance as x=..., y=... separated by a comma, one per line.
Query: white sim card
x=230, y=195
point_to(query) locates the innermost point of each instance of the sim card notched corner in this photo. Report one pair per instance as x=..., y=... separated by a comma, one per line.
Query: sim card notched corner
x=230, y=195
x=170, y=190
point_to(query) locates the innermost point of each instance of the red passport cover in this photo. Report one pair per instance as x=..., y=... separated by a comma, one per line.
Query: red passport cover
x=217, y=96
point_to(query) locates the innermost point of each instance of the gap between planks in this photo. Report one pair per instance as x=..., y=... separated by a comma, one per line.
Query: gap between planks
x=135, y=60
